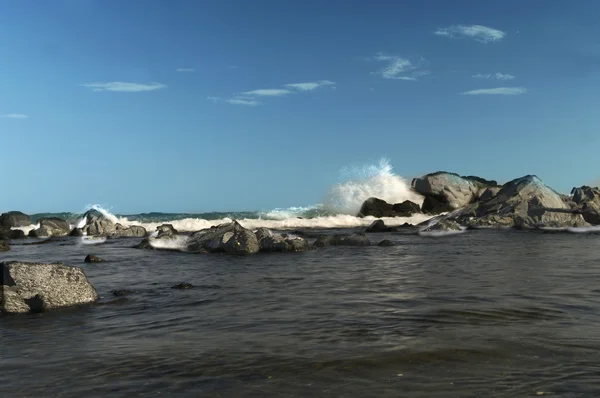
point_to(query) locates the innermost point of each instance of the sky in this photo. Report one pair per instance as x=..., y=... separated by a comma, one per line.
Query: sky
x=192, y=106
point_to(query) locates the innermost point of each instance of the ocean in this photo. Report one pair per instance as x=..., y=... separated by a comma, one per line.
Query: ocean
x=500, y=313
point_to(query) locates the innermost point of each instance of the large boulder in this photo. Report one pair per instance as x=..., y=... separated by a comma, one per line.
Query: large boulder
x=14, y=219
x=51, y=226
x=4, y=247
x=525, y=202
x=380, y=208
x=587, y=199
x=101, y=226
x=224, y=238
x=8, y=234
x=268, y=242
x=134, y=231
x=37, y=287
x=166, y=230
x=445, y=191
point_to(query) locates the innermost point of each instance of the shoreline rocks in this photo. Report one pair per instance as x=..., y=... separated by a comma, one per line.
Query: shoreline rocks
x=50, y=226
x=14, y=219
x=380, y=208
x=39, y=287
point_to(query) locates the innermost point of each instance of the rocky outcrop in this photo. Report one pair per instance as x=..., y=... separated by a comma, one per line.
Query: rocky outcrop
x=134, y=231
x=8, y=234
x=105, y=227
x=4, y=247
x=166, y=231
x=379, y=226
x=444, y=225
x=229, y=238
x=51, y=226
x=380, y=208
x=342, y=240
x=445, y=191
x=525, y=202
x=90, y=258
x=37, y=287
x=14, y=219
x=587, y=199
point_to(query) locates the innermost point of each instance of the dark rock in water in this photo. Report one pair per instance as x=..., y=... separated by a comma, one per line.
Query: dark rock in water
x=166, y=230
x=587, y=199
x=105, y=227
x=121, y=292
x=406, y=225
x=380, y=208
x=14, y=219
x=262, y=233
x=134, y=231
x=90, y=258
x=144, y=244
x=386, y=243
x=283, y=245
x=444, y=225
x=445, y=191
x=76, y=232
x=379, y=226
x=183, y=286
x=229, y=238
x=51, y=226
x=4, y=247
x=7, y=234
x=37, y=287
x=342, y=240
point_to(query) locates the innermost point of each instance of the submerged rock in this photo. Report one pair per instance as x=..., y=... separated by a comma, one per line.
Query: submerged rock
x=229, y=238
x=121, y=292
x=4, y=247
x=342, y=240
x=51, y=226
x=38, y=287
x=380, y=208
x=379, y=226
x=183, y=285
x=386, y=243
x=14, y=219
x=445, y=191
x=90, y=258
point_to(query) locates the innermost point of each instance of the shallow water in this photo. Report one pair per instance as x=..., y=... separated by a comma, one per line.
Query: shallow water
x=484, y=313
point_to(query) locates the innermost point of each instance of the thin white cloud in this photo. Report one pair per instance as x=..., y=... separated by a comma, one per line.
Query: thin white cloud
x=14, y=116
x=497, y=91
x=235, y=101
x=495, y=76
x=186, y=70
x=482, y=34
x=267, y=92
x=398, y=68
x=310, y=85
x=124, y=87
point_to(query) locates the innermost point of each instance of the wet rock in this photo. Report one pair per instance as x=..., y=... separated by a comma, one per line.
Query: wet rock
x=144, y=244
x=4, y=247
x=587, y=199
x=379, y=226
x=380, y=208
x=386, y=243
x=134, y=231
x=90, y=258
x=14, y=219
x=76, y=232
x=121, y=292
x=51, y=226
x=281, y=244
x=444, y=225
x=342, y=240
x=262, y=233
x=166, y=231
x=38, y=287
x=183, y=286
x=8, y=234
x=229, y=238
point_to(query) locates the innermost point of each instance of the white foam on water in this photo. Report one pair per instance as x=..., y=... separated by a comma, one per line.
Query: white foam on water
x=176, y=243
x=28, y=228
x=438, y=234
x=584, y=230
x=88, y=240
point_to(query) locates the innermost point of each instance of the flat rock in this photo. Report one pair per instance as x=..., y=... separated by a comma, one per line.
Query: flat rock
x=39, y=287
x=342, y=240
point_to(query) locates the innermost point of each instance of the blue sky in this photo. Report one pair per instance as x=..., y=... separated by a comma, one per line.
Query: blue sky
x=238, y=105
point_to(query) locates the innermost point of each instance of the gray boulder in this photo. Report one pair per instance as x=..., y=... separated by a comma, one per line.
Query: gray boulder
x=134, y=231
x=379, y=226
x=445, y=191
x=37, y=287
x=281, y=244
x=380, y=208
x=225, y=238
x=105, y=227
x=4, y=247
x=587, y=199
x=444, y=225
x=14, y=219
x=342, y=240
x=166, y=230
x=51, y=226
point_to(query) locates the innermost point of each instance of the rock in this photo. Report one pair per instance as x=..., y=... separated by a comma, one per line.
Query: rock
x=386, y=243
x=379, y=226
x=283, y=245
x=121, y=292
x=524, y=202
x=134, y=231
x=342, y=240
x=183, y=286
x=144, y=244
x=4, y=247
x=587, y=199
x=445, y=191
x=8, y=234
x=262, y=233
x=225, y=238
x=37, y=287
x=14, y=219
x=380, y=208
x=166, y=230
x=105, y=227
x=52, y=226
x=444, y=225
x=489, y=193
x=90, y=258
x=76, y=232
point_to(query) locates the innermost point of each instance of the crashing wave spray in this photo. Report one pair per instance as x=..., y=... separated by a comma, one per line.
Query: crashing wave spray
x=361, y=183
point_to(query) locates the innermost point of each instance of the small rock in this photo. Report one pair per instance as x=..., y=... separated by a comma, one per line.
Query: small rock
x=183, y=286
x=378, y=226
x=386, y=243
x=4, y=247
x=76, y=232
x=93, y=259
x=121, y=292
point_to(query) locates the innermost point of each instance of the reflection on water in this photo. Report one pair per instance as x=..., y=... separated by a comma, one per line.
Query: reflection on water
x=478, y=314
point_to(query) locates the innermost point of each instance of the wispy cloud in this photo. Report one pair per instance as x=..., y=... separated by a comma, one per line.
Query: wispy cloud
x=398, y=68
x=310, y=86
x=235, y=101
x=186, y=70
x=124, y=87
x=497, y=91
x=268, y=92
x=480, y=33
x=14, y=116
x=496, y=76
